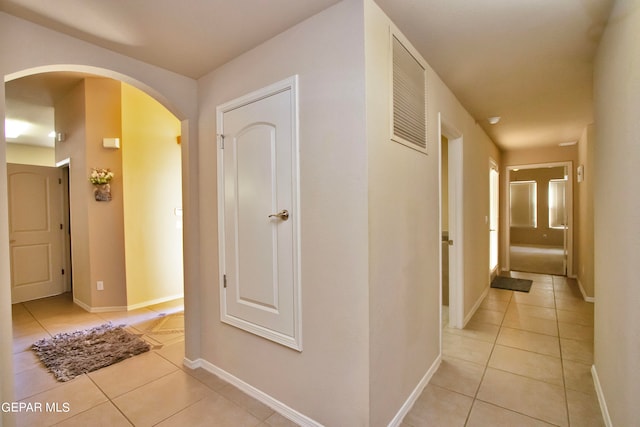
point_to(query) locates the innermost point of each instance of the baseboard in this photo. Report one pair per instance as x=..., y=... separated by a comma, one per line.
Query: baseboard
x=98, y=309
x=124, y=307
x=154, y=301
x=584, y=294
x=475, y=307
x=601, y=400
x=415, y=394
x=261, y=396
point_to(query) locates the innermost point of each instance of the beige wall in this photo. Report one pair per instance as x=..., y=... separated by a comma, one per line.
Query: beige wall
x=328, y=53
x=327, y=381
x=404, y=294
x=152, y=193
x=27, y=48
x=70, y=115
x=477, y=151
x=31, y=155
x=584, y=217
x=533, y=157
x=542, y=234
x=617, y=214
x=444, y=185
x=89, y=113
x=103, y=115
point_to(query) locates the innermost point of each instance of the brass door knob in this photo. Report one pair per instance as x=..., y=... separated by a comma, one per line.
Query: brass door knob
x=283, y=215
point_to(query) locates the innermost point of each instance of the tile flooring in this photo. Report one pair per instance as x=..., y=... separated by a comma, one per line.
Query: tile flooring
x=150, y=389
x=524, y=359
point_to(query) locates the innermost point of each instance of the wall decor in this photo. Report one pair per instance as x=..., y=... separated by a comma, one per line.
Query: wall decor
x=100, y=178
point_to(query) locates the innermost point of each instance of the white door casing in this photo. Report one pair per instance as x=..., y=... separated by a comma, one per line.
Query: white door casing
x=456, y=229
x=35, y=222
x=258, y=213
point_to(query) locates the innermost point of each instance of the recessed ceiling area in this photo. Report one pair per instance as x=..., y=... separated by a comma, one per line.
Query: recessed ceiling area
x=531, y=63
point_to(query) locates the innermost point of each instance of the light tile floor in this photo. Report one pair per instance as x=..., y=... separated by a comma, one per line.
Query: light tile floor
x=150, y=389
x=524, y=359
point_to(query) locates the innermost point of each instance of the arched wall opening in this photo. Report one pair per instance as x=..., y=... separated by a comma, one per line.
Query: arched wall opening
x=175, y=102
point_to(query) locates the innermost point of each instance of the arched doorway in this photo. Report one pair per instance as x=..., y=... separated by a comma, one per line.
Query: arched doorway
x=189, y=172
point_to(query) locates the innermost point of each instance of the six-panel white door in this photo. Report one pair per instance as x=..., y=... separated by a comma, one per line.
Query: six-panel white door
x=35, y=218
x=259, y=215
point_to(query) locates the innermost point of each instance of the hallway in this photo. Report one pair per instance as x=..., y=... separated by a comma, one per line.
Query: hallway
x=523, y=360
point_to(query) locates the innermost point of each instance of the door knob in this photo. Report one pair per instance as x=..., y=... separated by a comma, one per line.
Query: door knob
x=283, y=215
x=450, y=242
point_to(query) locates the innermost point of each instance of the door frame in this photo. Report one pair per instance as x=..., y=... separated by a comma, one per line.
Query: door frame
x=455, y=217
x=568, y=239
x=65, y=168
x=294, y=341
x=493, y=165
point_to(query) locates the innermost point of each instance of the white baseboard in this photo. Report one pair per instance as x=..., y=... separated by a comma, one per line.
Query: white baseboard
x=415, y=394
x=263, y=397
x=99, y=309
x=125, y=307
x=584, y=294
x=154, y=301
x=603, y=404
x=476, y=306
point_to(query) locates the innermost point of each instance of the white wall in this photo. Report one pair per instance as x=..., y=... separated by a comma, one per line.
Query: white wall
x=617, y=214
x=26, y=48
x=328, y=380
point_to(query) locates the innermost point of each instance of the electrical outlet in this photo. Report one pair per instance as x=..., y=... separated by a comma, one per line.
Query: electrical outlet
x=100, y=285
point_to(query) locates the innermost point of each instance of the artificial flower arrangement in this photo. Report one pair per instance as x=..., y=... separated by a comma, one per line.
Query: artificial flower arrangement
x=100, y=176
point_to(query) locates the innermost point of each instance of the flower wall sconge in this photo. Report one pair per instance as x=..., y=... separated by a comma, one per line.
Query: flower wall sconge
x=101, y=178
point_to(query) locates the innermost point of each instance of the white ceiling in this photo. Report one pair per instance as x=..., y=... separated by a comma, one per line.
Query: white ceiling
x=528, y=61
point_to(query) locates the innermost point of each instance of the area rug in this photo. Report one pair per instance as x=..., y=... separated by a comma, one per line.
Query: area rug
x=512, y=284
x=68, y=355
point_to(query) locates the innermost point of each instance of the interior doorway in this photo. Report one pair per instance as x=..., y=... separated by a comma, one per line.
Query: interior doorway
x=451, y=228
x=143, y=222
x=540, y=223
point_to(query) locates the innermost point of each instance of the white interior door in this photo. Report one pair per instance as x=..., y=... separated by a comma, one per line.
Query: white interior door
x=259, y=214
x=35, y=219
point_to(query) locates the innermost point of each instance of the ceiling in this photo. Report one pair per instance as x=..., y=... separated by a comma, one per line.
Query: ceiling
x=528, y=61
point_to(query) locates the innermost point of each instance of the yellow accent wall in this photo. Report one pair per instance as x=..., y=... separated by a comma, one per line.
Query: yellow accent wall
x=152, y=194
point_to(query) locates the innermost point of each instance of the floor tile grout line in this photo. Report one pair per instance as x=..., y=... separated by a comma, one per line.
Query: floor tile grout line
x=564, y=382
x=108, y=399
x=36, y=319
x=518, y=412
x=486, y=366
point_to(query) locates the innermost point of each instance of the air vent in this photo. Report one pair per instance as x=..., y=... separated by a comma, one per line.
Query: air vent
x=409, y=98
